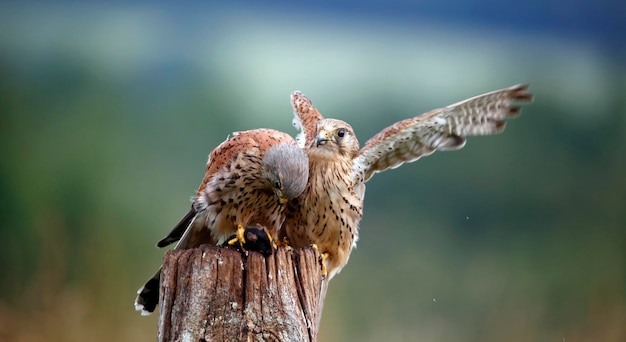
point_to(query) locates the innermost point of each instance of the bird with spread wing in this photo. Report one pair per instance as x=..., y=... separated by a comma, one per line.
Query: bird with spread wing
x=328, y=212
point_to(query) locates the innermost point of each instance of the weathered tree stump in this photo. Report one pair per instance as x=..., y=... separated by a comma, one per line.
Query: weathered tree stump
x=217, y=294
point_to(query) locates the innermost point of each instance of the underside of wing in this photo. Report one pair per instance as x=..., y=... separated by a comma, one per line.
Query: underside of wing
x=305, y=118
x=441, y=129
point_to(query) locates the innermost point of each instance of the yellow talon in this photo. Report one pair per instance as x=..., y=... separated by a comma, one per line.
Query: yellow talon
x=240, y=237
x=283, y=243
x=323, y=258
x=269, y=236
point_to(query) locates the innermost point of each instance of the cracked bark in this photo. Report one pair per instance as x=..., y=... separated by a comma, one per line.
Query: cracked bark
x=217, y=294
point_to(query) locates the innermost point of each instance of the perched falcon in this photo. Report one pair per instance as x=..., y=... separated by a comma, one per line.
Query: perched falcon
x=249, y=180
x=328, y=212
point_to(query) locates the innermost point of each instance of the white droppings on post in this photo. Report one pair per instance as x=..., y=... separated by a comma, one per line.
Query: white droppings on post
x=186, y=337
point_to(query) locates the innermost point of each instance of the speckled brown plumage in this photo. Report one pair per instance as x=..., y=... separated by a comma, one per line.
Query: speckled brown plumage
x=248, y=181
x=329, y=210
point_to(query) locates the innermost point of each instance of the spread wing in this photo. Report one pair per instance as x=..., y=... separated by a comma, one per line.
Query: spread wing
x=305, y=118
x=442, y=129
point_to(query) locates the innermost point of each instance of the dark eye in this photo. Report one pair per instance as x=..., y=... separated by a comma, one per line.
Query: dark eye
x=277, y=184
x=341, y=133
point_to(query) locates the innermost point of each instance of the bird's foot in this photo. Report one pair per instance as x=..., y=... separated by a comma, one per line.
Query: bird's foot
x=239, y=238
x=323, y=257
x=269, y=237
x=283, y=243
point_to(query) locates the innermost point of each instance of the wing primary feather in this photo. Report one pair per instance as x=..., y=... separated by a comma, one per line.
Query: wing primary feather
x=305, y=118
x=177, y=232
x=443, y=129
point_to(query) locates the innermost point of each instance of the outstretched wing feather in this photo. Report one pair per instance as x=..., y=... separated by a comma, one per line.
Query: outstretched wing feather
x=441, y=129
x=305, y=118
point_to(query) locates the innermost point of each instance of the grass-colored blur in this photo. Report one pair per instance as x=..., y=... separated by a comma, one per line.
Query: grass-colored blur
x=108, y=114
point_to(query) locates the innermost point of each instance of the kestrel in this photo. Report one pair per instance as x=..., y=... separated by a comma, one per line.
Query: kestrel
x=249, y=180
x=328, y=212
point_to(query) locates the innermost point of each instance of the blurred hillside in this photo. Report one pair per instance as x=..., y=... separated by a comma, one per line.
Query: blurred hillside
x=108, y=114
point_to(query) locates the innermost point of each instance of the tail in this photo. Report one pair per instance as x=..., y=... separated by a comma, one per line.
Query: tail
x=148, y=295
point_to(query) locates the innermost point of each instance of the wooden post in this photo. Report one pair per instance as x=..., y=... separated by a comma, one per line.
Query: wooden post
x=217, y=294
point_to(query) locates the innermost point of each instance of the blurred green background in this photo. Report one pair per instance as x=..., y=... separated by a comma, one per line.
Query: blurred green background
x=108, y=113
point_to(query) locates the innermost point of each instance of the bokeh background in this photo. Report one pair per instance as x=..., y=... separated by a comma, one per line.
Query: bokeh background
x=107, y=114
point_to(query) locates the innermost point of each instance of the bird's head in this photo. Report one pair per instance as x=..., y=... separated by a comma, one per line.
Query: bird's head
x=286, y=169
x=335, y=138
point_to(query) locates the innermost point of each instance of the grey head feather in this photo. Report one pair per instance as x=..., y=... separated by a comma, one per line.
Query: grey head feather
x=287, y=168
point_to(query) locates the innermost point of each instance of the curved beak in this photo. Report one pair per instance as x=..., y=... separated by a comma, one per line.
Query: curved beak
x=282, y=199
x=322, y=137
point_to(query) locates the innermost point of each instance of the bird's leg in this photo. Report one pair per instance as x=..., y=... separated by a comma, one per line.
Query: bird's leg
x=322, y=259
x=240, y=237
